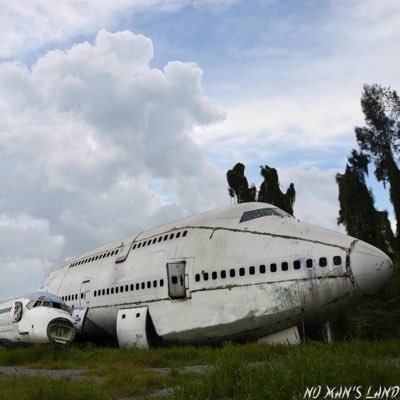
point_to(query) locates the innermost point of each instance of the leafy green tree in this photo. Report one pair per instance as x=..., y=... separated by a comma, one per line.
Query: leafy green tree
x=270, y=191
x=380, y=139
x=360, y=217
x=238, y=185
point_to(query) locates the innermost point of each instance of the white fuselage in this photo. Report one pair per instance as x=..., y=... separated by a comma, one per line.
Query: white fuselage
x=210, y=277
x=23, y=321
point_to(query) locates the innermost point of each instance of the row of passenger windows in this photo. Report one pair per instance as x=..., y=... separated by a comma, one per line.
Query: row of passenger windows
x=94, y=258
x=323, y=262
x=159, y=239
x=5, y=310
x=127, y=288
x=71, y=297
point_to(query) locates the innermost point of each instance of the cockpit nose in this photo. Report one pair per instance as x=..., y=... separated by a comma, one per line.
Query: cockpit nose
x=371, y=267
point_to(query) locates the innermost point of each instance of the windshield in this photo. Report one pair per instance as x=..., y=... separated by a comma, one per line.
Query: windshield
x=43, y=302
x=263, y=212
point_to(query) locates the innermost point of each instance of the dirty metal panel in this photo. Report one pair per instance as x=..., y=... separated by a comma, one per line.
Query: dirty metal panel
x=131, y=328
x=78, y=316
x=176, y=279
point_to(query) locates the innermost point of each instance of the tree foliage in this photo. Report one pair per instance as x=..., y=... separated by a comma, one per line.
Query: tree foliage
x=380, y=139
x=360, y=217
x=269, y=192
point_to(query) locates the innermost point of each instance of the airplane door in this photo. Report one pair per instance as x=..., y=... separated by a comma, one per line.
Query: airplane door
x=176, y=280
x=84, y=298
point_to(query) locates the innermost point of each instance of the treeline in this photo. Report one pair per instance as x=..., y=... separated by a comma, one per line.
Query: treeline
x=379, y=150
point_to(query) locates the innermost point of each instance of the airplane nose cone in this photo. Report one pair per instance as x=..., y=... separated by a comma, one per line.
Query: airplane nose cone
x=371, y=267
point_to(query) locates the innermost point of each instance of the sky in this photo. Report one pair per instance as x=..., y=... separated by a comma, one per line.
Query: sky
x=120, y=116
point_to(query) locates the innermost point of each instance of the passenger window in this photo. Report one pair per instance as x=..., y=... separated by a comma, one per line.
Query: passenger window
x=103, y=292
x=108, y=254
x=174, y=280
x=241, y=271
x=108, y=291
x=178, y=235
x=132, y=287
x=159, y=239
x=197, y=277
x=137, y=286
x=165, y=237
x=143, y=285
x=112, y=290
x=184, y=233
x=148, y=284
x=214, y=275
x=262, y=269
x=94, y=294
x=139, y=245
x=232, y=273
x=252, y=270
x=309, y=263
x=272, y=267
x=154, y=283
x=171, y=236
x=126, y=288
x=134, y=247
x=223, y=274
x=323, y=262
x=205, y=276
x=337, y=260
x=121, y=289
x=154, y=240
x=116, y=289
x=161, y=282
x=285, y=266
x=296, y=264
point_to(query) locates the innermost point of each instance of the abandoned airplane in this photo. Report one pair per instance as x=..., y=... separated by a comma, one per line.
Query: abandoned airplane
x=238, y=273
x=36, y=318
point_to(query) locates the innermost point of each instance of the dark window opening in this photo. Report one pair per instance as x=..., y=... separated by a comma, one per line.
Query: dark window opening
x=174, y=280
x=94, y=293
x=323, y=262
x=197, y=277
x=132, y=287
x=154, y=283
x=148, y=284
x=126, y=288
x=116, y=289
x=171, y=236
x=252, y=270
x=159, y=239
x=121, y=289
x=143, y=285
x=296, y=264
x=161, y=282
x=103, y=292
x=154, y=240
x=337, y=260
x=232, y=273
x=139, y=245
x=112, y=290
x=165, y=237
x=262, y=269
x=223, y=274
x=272, y=267
x=309, y=263
x=184, y=233
x=178, y=235
x=205, y=276
x=241, y=271
x=214, y=275
x=108, y=291
x=137, y=286
x=285, y=266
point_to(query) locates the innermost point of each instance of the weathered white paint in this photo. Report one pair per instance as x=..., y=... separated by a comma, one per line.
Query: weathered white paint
x=35, y=318
x=235, y=307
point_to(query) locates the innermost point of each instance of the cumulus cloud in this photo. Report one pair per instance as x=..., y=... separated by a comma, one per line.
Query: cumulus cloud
x=84, y=131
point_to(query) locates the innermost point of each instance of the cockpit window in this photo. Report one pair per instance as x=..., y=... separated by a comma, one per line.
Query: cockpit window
x=263, y=212
x=42, y=302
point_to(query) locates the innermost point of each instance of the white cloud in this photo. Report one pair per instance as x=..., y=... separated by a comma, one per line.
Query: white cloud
x=84, y=131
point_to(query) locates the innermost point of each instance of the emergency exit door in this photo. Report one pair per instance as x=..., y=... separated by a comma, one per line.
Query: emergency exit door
x=176, y=280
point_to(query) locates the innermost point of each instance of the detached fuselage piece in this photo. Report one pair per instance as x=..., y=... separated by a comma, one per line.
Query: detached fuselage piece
x=36, y=318
x=237, y=273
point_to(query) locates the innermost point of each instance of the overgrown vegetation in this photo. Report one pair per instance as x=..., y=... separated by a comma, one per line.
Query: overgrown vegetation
x=252, y=371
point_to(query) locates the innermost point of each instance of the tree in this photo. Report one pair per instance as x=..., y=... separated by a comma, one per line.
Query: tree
x=360, y=217
x=238, y=185
x=270, y=191
x=380, y=139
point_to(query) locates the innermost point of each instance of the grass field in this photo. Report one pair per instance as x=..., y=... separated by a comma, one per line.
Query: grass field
x=252, y=371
